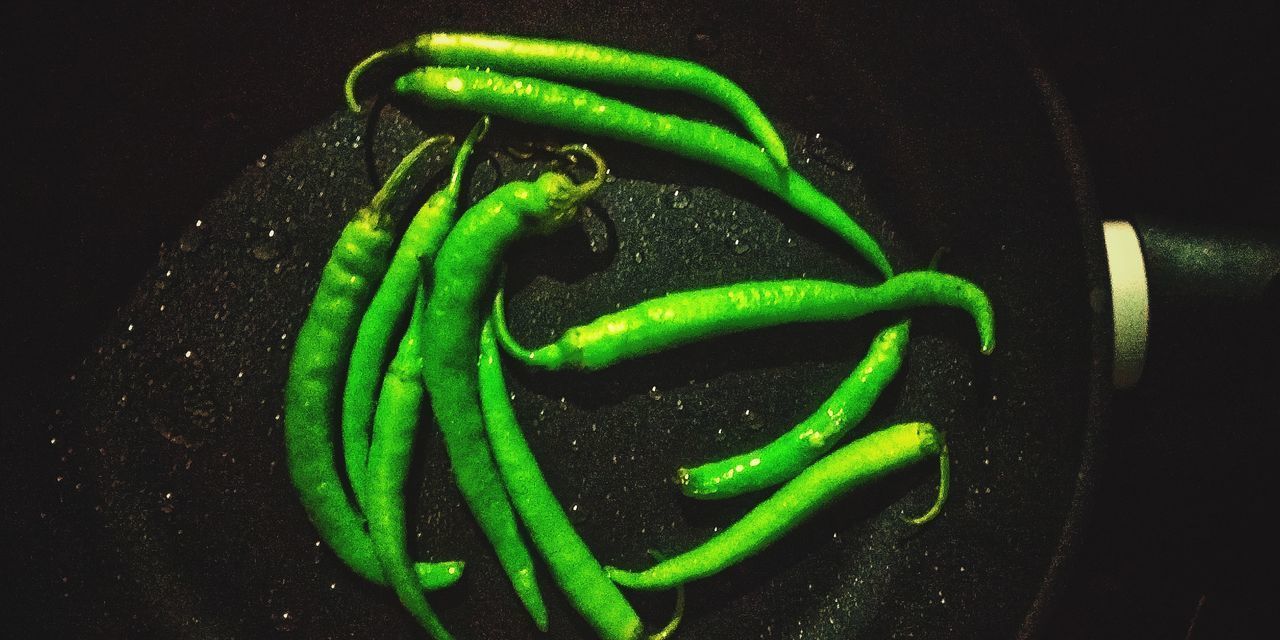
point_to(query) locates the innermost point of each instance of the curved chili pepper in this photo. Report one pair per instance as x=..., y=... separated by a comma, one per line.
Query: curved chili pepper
x=547, y=103
x=388, y=309
x=459, y=301
x=394, y=429
x=573, y=566
x=679, y=318
x=313, y=388
x=869, y=457
x=581, y=62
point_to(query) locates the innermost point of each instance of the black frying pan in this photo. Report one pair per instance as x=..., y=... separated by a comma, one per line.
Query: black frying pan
x=181, y=520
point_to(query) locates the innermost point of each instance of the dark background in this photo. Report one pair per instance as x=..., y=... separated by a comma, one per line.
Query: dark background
x=1175, y=108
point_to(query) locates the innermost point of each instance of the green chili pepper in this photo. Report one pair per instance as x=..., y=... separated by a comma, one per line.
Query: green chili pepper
x=572, y=564
x=459, y=302
x=865, y=459
x=790, y=454
x=542, y=102
x=394, y=429
x=680, y=318
x=313, y=389
x=581, y=62
x=422, y=238
x=848, y=405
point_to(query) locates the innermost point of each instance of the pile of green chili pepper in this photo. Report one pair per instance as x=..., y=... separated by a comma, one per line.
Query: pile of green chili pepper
x=427, y=321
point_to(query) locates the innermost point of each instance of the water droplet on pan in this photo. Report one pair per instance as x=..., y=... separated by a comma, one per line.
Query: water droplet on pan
x=679, y=198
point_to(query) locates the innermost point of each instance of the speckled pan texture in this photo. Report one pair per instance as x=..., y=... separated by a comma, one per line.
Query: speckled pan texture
x=173, y=432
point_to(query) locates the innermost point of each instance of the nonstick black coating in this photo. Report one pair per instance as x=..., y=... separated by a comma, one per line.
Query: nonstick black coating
x=933, y=133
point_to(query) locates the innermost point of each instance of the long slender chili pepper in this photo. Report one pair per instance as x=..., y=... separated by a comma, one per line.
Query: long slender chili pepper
x=395, y=426
x=572, y=564
x=390, y=304
x=788, y=455
x=459, y=302
x=865, y=459
x=848, y=405
x=680, y=318
x=543, y=102
x=313, y=390
x=581, y=62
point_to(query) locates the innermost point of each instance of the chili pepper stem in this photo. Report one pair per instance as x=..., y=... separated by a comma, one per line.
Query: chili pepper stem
x=944, y=486
x=477, y=133
x=678, y=615
x=402, y=171
x=587, y=188
x=503, y=333
x=564, y=197
x=666, y=631
x=349, y=87
x=353, y=76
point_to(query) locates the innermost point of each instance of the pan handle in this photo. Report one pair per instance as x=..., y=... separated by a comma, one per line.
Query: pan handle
x=1184, y=294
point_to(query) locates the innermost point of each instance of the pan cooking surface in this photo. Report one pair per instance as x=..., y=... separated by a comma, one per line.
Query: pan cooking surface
x=173, y=427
